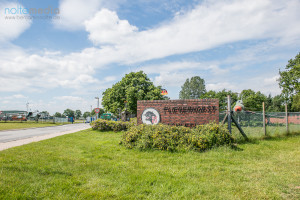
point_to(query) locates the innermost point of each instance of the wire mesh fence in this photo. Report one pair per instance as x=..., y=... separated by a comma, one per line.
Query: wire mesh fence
x=252, y=122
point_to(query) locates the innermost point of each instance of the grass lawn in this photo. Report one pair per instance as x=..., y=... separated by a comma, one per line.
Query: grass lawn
x=258, y=132
x=20, y=125
x=92, y=165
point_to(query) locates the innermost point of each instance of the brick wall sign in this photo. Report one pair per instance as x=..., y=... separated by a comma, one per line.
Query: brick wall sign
x=189, y=112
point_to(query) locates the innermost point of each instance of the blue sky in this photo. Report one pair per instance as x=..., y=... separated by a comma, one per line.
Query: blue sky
x=65, y=62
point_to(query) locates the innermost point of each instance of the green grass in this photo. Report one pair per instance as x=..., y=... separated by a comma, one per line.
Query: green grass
x=92, y=165
x=258, y=132
x=21, y=125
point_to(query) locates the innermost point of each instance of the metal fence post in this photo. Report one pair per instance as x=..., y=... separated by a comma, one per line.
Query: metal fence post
x=229, y=112
x=264, y=119
x=286, y=118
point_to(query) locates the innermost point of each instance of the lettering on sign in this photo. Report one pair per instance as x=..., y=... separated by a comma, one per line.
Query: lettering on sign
x=190, y=109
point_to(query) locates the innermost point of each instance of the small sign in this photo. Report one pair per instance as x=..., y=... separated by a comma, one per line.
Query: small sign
x=150, y=116
x=97, y=110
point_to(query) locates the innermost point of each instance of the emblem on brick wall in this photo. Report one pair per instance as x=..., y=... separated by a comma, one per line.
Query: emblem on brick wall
x=150, y=116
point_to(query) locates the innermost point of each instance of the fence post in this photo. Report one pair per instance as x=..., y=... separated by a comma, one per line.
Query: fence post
x=229, y=112
x=286, y=118
x=264, y=119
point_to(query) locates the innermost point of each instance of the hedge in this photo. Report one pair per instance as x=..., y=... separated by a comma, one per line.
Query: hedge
x=174, y=138
x=108, y=125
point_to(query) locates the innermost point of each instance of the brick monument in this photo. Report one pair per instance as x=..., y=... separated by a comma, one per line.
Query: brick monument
x=188, y=112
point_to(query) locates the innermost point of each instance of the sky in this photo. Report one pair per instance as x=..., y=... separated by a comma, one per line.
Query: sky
x=70, y=52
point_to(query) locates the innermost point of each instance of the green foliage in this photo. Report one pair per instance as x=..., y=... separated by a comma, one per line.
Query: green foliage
x=78, y=114
x=174, y=138
x=45, y=113
x=296, y=103
x=86, y=114
x=192, y=89
x=68, y=112
x=289, y=83
x=275, y=104
x=289, y=79
x=108, y=125
x=253, y=100
x=57, y=114
x=222, y=96
x=134, y=86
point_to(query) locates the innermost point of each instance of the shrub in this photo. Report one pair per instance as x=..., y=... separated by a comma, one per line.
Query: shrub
x=173, y=138
x=107, y=125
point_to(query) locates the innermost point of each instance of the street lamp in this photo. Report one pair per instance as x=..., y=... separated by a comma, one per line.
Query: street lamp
x=97, y=106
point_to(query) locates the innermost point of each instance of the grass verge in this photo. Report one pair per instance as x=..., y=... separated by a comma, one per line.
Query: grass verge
x=21, y=125
x=91, y=165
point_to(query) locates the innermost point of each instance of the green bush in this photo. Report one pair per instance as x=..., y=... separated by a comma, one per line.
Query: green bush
x=174, y=138
x=107, y=125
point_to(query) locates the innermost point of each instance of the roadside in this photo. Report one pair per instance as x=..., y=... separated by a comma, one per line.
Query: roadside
x=13, y=138
x=25, y=125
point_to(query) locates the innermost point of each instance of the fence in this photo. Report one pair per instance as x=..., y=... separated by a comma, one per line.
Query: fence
x=252, y=122
x=51, y=120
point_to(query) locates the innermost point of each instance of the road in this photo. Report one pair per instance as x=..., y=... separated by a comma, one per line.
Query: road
x=11, y=138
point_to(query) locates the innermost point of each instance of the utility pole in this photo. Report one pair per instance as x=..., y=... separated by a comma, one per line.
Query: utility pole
x=97, y=106
x=27, y=105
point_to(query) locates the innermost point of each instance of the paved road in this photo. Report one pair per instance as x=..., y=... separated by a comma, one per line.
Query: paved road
x=16, y=135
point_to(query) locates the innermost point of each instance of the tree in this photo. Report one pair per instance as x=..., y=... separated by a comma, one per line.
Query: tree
x=57, y=114
x=44, y=114
x=253, y=100
x=86, y=114
x=275, y=104
x=68, y=112
x=78, y=114
x=134, y=86
x=296, y=103
x=222, y=96
x=192, y=89
x=289, y=81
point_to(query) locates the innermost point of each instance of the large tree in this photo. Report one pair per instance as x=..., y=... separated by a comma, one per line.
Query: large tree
x=86, y=114
x=57, y=114
x=289, y=82
x=275, y=104
x=222, y=96
x=68, y=112
x=253, y=100
x=78, y=114
x=192, y=89
x=134, y=86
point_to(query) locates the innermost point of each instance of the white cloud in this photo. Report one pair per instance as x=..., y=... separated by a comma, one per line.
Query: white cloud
x=10, y=26
x=271, y=80
x=15, y=96
x=73, y=13
x=106, y=28
x=68, y=98
x=172, y=66
x=209, y=25
x=22, y=71
x=172, y=79
x=110, y=78
x=218, y=86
